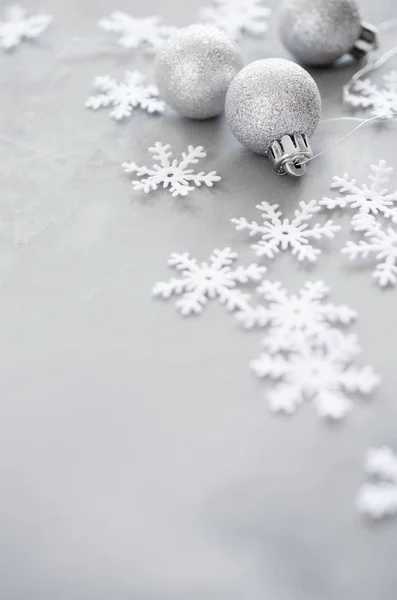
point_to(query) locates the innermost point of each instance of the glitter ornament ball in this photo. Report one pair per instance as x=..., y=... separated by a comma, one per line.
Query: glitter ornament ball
x=194, y=71
x=272, y=107
x=318, y=32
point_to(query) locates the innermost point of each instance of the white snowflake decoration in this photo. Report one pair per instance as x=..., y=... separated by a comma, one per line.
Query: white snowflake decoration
x=379, y=498
x=323, y=375
x=380, y=242
x=296, y=319
x=295, y=234
x=236, y=17
x=148, y=33
x=173, y=174
x=15, y=25
x=125, y=96
x=373, y=199
x=200, y=282
x=362, y=93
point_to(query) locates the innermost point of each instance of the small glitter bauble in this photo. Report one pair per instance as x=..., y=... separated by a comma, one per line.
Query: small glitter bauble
x=318, y=32
x=269, y=99
x=194, y=71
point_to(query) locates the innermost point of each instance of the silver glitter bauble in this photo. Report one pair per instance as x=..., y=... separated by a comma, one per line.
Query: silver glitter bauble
x=270, y=99
x=318, y=32
x=194, y=71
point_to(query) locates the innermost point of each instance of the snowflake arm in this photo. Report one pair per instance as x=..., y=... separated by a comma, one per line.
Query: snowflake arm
x=200, y=282
x=171, y=172
x=380, y=243
x=16, y=25
x=124, y=97
x=379, y=498
x=236, y=17
x=148, y=33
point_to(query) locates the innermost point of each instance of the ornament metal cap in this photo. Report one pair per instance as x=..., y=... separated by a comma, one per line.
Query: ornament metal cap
x=366, y=42
x=288, y=155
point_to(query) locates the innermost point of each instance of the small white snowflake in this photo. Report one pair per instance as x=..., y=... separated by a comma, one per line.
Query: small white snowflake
x=236, y=17
x=296, y=319
x=148, y=33
x=16, y=25
x=324, y=375
x=125, y=96
x=200, y=282
x=383, y=100
x=174, y=174
x=279, y=233
x=380, y=242
x=374, y=199
x=379, y=498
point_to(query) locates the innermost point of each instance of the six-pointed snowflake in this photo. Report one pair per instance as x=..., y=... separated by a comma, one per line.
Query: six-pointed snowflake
x=236, y=17
x=373, y=199
x=200, y=282
x=125, y=96
x=279, y=233
x=148, y=33
x=365, y=94
x=174, y=174
x=323, y=375
x=303, y=318
x=380, y=242
x=378, y=498
x=16, y=25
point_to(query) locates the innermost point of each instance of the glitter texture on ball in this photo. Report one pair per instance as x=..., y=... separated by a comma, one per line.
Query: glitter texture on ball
x=318, y=32
x=194, y=71
x=269, y=99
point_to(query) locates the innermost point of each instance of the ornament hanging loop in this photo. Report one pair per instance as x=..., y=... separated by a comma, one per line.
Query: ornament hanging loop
x=289, y=155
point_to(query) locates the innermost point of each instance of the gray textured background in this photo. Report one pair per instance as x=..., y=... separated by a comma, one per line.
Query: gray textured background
x=138, y=459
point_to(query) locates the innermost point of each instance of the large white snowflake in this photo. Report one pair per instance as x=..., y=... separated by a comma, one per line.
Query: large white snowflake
x=323, y=375
x=172, y=173
x=382, y=100
x=236, y=17
x=16, y=25
x=378, y=498
x=374, y=199
x=380, y=242
x=200, y=282
x=125, y=96
x=295, y=234
x=148, y=33
x=300, y=318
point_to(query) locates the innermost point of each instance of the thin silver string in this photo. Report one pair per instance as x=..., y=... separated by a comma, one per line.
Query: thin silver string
x=387, y=25
x=362, y=123
x=372, y=66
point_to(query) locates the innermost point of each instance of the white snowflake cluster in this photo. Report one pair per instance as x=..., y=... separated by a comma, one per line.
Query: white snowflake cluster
x=363, y=93
x=15, y=25
x=148, y=34
x=306, y=351
x=278, y=233
x=375, y=207
x=378, y=498
x=236, y=17
x=200, y=282
x=170, y=172
x=124, y=97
